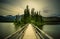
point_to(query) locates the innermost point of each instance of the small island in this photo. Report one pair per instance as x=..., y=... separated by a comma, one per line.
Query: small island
x=32, y=16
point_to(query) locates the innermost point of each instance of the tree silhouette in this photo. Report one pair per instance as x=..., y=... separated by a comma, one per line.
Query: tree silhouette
x=34, y=17
x=26, y=15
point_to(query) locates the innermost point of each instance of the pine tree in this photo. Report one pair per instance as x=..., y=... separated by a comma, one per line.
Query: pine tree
x=26, y=15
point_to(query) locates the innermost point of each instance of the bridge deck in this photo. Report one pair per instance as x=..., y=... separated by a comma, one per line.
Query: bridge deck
x=29, y=33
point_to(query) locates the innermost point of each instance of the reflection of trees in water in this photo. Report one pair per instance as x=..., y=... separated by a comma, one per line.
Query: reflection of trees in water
x=33, y=17
x=16, y=26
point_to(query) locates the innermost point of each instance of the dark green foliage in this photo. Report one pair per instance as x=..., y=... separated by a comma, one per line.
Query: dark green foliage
x=34, y=18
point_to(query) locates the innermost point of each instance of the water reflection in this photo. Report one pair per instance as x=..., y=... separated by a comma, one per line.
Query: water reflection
x=52, y=30
x=9, y=28
x=6, y=29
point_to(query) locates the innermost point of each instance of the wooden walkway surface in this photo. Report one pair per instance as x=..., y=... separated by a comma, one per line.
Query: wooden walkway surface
x=29, y=33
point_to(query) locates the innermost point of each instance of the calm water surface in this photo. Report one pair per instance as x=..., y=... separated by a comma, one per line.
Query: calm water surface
x=52, y=30
x=6, y=29
x=9, y=28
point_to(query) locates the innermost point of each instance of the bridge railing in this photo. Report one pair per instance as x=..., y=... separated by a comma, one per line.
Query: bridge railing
x=18, y=34
x=41, y=33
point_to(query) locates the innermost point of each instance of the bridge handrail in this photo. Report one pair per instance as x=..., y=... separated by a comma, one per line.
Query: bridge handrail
x=19, y=30
x=42, y=32
x=39, y=34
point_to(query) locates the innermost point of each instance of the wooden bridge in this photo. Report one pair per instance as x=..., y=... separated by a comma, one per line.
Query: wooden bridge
x=29, y=31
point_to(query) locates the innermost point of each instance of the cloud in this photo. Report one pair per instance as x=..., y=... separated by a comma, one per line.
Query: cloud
x=8, y=6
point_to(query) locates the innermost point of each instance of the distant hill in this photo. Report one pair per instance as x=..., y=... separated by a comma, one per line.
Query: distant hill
x=10, y=18
x=7, y=18
x=51, y=19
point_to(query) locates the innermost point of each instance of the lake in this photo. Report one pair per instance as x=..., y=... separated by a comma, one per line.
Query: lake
x=52, y=30
x=9, y=28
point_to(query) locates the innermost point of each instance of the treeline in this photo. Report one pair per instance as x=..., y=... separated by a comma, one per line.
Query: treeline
x=36, y=18
x=30, y=17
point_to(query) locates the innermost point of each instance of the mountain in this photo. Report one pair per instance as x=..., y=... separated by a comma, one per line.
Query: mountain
x=8, y=18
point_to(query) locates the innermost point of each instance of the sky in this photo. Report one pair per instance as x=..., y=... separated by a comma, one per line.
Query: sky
x=47, y=8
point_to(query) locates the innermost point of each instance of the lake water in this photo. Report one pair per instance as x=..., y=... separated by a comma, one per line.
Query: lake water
x=9, y=28
x=6, y=29
x=52, y=30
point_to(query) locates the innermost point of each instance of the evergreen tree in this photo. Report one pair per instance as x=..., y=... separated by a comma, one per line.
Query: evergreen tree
x=26, y=15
